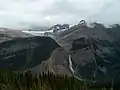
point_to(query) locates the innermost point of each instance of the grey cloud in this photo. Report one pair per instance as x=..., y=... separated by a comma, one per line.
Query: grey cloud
x=23, y=13
x=108, y=14
x=62, y=7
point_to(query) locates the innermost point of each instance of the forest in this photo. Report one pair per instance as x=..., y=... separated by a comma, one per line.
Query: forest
x=44, y=81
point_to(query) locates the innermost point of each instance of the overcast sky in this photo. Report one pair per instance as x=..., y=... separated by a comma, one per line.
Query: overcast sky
x=25, y=13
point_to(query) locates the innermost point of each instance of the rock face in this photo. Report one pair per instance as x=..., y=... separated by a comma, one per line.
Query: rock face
x=95, y=52
x=57, y=28
x=20, y=53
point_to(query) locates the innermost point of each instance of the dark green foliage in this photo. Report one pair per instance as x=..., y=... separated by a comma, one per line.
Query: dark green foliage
x=44, y=81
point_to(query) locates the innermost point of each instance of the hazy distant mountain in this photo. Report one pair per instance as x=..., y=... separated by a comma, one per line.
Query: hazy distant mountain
x=39, y=28
x=59, y=27
x=12, y=33
x=56, y=29
x=45, y=31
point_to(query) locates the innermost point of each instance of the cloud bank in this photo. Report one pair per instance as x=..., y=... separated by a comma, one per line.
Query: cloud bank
x=25, y=13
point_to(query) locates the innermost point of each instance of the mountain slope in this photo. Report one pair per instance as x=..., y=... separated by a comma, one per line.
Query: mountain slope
x=90, y=54
x=94, y=51
x=20, y=53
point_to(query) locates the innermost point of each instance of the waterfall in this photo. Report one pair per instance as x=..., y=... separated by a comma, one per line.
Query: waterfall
x=71, y=68
x=70, y=64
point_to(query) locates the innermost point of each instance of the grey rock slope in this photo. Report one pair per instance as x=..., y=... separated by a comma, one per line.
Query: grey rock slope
x=94, y=52
x=24, y=51
x=57, y=63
